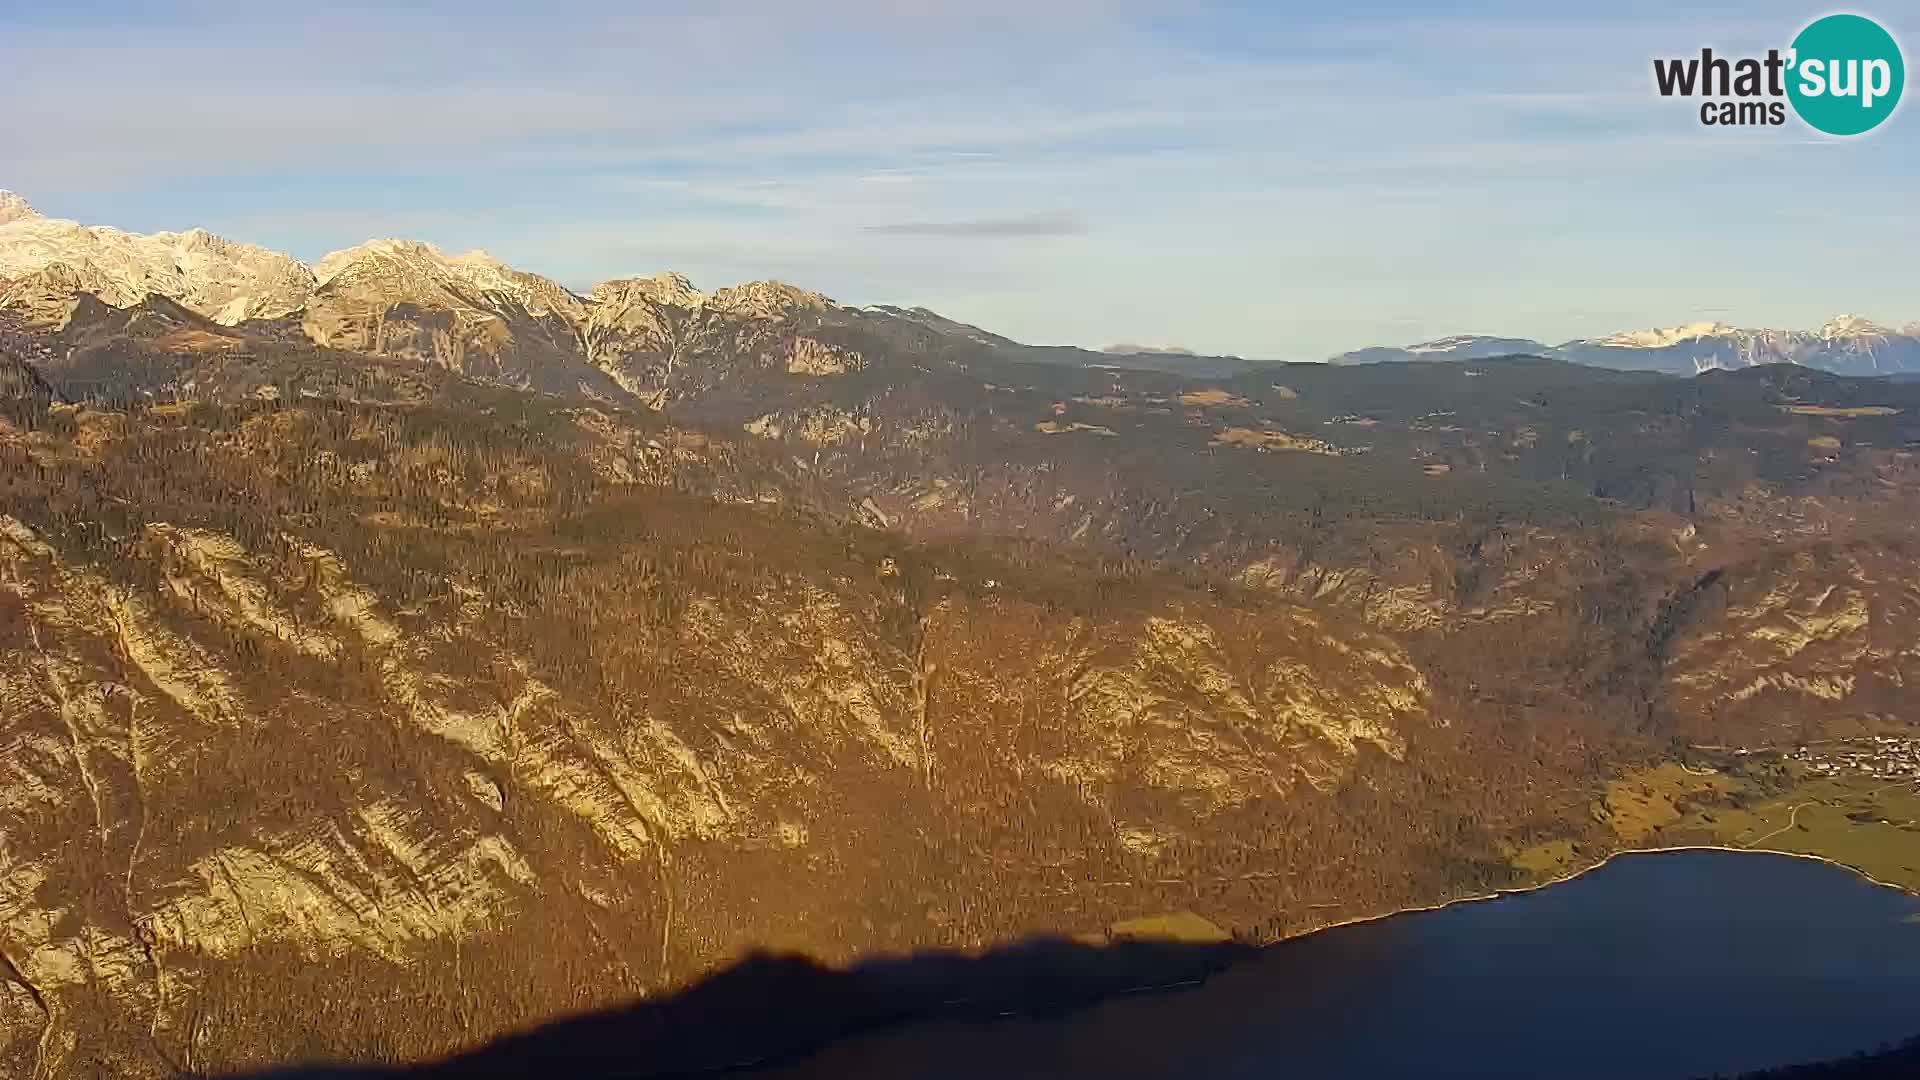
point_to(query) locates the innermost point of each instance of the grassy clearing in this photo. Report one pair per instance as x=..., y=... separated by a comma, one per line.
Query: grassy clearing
x=1871, y=825
x=1852, y=413
x=1641, y=804
x=1550, y=859
x=1864, y=824
x=1181, y=926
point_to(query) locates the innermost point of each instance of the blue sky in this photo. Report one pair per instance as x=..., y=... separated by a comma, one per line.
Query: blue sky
x=1254, y=178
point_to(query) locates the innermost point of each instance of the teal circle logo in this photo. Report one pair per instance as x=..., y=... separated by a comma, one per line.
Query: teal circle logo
x=1845, y=74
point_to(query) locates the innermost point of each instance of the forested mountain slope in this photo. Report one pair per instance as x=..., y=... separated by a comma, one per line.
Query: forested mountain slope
x=360, y=705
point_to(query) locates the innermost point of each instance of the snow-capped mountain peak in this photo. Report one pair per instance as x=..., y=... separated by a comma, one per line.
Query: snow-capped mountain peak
x=421, y=273
x=1851, y=326
x=226, y=281
x=1850, y=344
x=1664, y=337
x=666, y=288
x=1840, y=326
x=1847, y=344
x=382, y=248
x=15, y=208
x=1452, y=343
x=1452, y=347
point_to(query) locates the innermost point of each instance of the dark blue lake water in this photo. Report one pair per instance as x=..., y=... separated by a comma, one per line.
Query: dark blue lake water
x=1661, y=965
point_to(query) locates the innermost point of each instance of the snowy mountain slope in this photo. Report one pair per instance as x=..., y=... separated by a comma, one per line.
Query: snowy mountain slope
x=226, y=281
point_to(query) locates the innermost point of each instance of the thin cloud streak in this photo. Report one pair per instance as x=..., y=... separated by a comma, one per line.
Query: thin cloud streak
x=1042, y=224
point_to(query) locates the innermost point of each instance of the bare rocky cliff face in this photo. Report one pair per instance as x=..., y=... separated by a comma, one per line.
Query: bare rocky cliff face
x=469, y=313
x=452, y=651
x=233, y=752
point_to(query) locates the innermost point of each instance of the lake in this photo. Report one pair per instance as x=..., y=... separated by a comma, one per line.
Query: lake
x=1673, y=964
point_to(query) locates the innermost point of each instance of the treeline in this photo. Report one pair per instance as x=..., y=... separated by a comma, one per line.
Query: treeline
x=1900, y=1062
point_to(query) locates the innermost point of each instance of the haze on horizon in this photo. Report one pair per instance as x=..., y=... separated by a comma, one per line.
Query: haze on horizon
x=1223, y=177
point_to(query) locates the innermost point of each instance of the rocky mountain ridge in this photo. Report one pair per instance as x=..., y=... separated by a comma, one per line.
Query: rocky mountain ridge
x=623, y=339
x=476, y=314
x=228, y=282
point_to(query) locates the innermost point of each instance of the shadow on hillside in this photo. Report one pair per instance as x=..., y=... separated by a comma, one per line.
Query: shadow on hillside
x=771, y=1007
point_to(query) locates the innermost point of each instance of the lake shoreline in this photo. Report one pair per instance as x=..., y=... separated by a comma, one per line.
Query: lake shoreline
x=1263, y=949
x=1582, y=872
x=1260, y=950
x=1270, y=952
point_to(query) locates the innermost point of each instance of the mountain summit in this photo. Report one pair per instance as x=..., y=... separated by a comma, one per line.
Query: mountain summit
x=15, y=208
x=225, y=281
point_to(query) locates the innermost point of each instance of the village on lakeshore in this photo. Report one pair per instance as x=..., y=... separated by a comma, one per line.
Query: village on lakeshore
x=1893, y=758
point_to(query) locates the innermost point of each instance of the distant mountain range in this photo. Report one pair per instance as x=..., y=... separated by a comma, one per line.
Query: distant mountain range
x=1847, y=345
x=474, y=313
